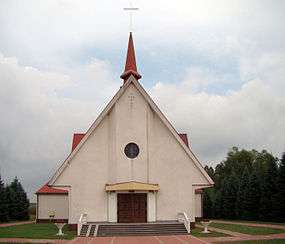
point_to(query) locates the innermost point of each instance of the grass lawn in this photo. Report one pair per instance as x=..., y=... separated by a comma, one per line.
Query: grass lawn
x=35, y=231
x=275, y=241
x=247, y=229
x=197, y=232
x=252, y=222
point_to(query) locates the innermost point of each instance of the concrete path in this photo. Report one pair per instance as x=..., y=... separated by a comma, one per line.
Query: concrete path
x=177, y=239
x=16, y=223
x=273, y=226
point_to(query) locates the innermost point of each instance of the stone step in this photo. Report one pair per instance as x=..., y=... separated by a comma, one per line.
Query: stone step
x=84, y=230
x=141, y=229
x=92, y=230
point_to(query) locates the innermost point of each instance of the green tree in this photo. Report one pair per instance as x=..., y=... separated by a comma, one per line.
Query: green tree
x=207, y=204
x=251, y=203
x=4, y=214
x=268, y=188
x=18, y=201
x=210, y=171
x=279, y=198
x=241, y=194
x=217, y=205
x=229, y=196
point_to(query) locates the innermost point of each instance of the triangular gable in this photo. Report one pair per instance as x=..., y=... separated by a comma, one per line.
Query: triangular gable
x=154, y=108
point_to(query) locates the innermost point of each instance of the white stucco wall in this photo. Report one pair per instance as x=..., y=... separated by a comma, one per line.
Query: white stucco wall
x=102, y=160
x=198, y=205
x=57, y=204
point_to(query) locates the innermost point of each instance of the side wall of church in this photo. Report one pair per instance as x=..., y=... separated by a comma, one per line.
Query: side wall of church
x=49, y=204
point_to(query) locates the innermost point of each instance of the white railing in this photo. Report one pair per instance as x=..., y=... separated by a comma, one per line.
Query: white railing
x=82, y=220
x=183, y=218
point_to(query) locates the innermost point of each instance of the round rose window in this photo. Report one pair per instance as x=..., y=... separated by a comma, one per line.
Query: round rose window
x=132, y=150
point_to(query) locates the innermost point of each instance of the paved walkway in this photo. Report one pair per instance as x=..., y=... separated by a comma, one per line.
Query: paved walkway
x=16, y=223
x=273, y=226
x=178, y=239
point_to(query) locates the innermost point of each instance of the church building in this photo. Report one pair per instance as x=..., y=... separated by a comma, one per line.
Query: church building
x=131, y=166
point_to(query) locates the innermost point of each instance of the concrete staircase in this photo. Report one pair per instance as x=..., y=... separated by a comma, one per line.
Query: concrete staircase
x=88, y=230
x=141, y=229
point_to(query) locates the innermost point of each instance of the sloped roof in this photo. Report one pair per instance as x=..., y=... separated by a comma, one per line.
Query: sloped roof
x=77, y=137
x=134, y=81
x=46, y=189
x=184, y=138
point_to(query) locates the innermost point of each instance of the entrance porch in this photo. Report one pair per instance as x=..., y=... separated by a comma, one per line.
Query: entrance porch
x=132, y=202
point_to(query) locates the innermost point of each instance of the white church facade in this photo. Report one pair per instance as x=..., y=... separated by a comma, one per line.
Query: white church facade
x=130, y=166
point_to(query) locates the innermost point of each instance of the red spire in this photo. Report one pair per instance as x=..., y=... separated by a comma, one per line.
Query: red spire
x=131, y=66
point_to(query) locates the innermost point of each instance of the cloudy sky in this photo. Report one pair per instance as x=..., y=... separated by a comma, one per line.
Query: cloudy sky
x=215, y=68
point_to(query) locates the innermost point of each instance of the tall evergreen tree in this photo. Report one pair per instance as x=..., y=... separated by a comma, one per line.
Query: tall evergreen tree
x=4, y=214
x=229, y=196
x=279, y=198
x=210, y=171
x=252, y=200
x=207, y=204
x=268, y=189
x=241, y=194
x=18, y=202
x=217, y=205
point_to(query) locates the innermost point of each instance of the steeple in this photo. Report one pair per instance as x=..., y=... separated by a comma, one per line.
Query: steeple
x=131, y=66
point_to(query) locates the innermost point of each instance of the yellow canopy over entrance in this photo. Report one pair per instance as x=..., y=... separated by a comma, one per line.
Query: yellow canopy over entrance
x=132, y=186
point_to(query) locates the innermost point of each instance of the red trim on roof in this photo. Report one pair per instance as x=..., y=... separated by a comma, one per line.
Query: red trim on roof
x=184, y=138
x=77, y=137
x=46, y=189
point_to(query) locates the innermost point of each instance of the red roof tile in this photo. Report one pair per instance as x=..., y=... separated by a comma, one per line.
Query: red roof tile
x=77, y=137
x=184, y=138
x=46, y=189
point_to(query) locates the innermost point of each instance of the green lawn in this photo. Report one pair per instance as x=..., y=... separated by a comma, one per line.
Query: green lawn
x=251, y=221
x=197, y=232
x=275, y=241
x=35, y=231
x=247, y=229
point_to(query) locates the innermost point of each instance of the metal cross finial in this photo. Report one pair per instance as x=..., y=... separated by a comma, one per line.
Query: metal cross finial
x=131, y=9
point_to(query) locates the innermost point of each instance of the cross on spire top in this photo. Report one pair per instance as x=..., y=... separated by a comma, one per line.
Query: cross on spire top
x=131, y=9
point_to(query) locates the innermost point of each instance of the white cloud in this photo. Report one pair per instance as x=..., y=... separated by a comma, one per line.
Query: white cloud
x=251, y=117
x=38, y=119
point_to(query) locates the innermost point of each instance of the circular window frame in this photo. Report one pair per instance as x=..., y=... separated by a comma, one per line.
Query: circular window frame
x=132, y=150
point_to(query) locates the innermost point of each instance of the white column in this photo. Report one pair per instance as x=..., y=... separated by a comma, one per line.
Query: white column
x=151, y=207
x=112, y=207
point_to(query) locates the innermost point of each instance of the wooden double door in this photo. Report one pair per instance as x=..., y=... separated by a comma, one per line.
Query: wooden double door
x=132, y=207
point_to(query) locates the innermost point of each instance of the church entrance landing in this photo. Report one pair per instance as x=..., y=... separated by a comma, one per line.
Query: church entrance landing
x=132, y=207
